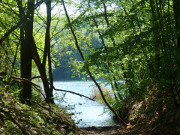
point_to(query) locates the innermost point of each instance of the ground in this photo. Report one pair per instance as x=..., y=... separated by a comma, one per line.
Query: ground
x=142, y=128
x=117, y=130
x=102, y=130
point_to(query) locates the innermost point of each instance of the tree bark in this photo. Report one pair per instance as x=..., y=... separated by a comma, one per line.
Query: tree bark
x=49, y=93
x=42, y=72
x=26, y=53
x=42, y=66
x=156, y=33
x=176, y=7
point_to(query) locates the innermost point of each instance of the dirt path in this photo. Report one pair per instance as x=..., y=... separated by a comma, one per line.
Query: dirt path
x=139, y=129
x=100, y=130
x=115, y=130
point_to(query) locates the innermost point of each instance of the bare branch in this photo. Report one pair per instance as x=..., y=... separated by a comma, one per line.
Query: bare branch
x=75, y=93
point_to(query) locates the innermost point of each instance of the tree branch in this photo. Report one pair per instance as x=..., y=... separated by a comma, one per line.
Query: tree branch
x=74, y=93
x=18, y=24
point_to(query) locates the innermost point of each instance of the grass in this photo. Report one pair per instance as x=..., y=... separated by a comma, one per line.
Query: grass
x=96, y=94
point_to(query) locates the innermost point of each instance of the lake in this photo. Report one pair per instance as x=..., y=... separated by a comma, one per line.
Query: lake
x=87, y=112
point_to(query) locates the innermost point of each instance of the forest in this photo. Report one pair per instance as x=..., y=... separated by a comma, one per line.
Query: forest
x=133, y=46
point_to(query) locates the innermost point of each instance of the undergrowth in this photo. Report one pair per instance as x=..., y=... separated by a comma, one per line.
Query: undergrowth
x=38, y=119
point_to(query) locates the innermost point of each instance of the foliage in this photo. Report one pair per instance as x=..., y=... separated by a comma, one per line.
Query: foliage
x=138, y=55
x=40, y=118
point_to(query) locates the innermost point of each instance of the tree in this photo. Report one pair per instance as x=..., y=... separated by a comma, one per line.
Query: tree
x=176, y=7
x=48, y=87
x=26, y=50
x=140, y=41
x=29, y=49
x=88, y=70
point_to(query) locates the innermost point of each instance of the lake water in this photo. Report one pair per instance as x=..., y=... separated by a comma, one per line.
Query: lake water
x=87, y=112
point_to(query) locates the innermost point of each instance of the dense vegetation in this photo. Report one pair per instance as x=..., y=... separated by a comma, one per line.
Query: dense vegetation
x=132, y=45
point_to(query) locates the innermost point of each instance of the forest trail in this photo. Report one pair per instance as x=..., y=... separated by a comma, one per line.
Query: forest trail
x=109, y=130
x=101, y=130
x=142, y=128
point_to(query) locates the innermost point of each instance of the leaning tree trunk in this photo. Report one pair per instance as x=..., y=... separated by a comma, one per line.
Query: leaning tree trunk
x=47, y=54
x=48, y=89
x=89, y=72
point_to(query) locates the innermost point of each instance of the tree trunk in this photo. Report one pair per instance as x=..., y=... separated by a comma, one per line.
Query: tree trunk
x=49, y=93
x=48, y=89
x=176, y=7
x=26, y=52
x=42, y=72
x=156, y=33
